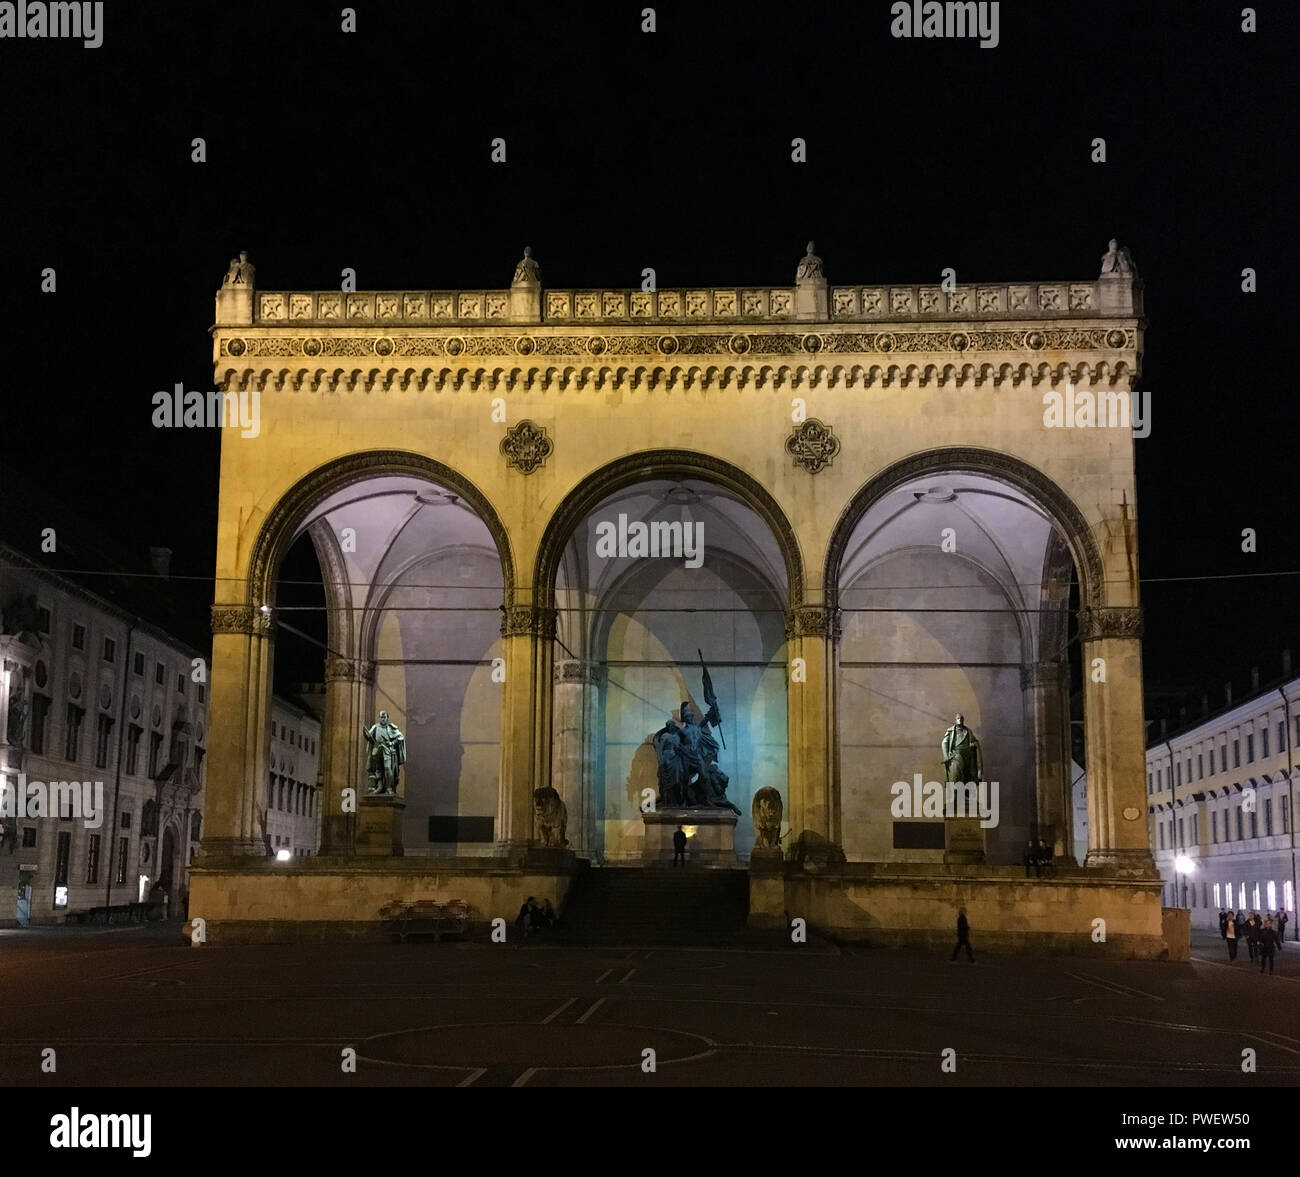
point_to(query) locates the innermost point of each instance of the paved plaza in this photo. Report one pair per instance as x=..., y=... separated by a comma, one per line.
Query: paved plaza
x=138, y=1007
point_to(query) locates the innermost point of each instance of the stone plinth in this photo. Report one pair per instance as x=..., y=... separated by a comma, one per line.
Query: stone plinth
x=767, y=888
x=963, y=840
x=710, y=836
x=379, y=825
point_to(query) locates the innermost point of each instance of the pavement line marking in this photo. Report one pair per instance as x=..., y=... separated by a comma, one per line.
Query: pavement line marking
x=625, y=980
x=469, y=1080
x=604, y=975
x=1129, y=989
x=582, y=1020
x=1225, y=964
x=1121, y=990
x=523, y=1079
x=555, y=1013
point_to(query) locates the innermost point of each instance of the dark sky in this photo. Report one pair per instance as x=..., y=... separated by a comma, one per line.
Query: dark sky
x=670, y=150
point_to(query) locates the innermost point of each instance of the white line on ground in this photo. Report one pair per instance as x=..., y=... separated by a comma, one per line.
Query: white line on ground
x=603, y=975
x=522, y=1081
x=626, y=979
x=599, y=1002
x=555, y=1013
x=473, y=1078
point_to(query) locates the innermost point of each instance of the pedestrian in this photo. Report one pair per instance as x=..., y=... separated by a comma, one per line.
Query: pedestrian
x=1223, y=923
x=547, y=914
x=963, y=937
x=679, y=846
x=527, y=917
x=1282, y=918
x=1230, y=935
x=1252, y=935
x=1268, y=943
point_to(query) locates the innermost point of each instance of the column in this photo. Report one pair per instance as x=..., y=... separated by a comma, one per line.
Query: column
x=1047, y=707
x=527, y=645
x=812, y=758
x=575, y=760
x=1114, y=736
x=243, y=650
x=348, y=682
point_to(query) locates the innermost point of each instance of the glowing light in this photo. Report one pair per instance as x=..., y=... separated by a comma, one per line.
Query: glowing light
x=283, y=855
x=689, y=831
x=1184, y=865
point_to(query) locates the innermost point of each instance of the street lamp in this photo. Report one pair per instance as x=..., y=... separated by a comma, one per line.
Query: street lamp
x=1184, y=866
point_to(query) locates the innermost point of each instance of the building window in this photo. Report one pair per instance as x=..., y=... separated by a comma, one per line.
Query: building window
x=133, y=734
x=78, y=642
x=43, y=622
x=270, y=792
x=1285, y=809
x=29, y=837
x=1263, y=740
x=126, y=819
x=1272, y=896
x=1160, y=779
x=1268, y=819
x=61, y=859
x=72, y=744
x=1281, y=736
x=273, y=729
x=1196, y=840
x=202, y=693
x=1250, y=748
x=1181, y=843
x=103, y=732
x=1241, y=828
x=40, y=722
x=1200, y=766
x=138, y=664
x=149, y=820
x=1214, y=834
x=180, y=684
x=155, y=754
x=110, y=649
x=92, y=859
x=1162, y=835
x=159, y=674
x=1223, y=757
x=1178, y=773
x=1217, y=900
x=123, y=847
x=1236, y=753
x=1254, y=824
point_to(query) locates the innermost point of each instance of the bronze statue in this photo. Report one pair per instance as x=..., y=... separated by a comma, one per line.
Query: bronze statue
x=386, y=756
x=689, y=775
x=962, y=760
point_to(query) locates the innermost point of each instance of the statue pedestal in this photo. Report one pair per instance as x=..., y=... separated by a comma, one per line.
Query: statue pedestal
x=964, y=840
x=379, y=825
x=710, y=836
x=767, y=888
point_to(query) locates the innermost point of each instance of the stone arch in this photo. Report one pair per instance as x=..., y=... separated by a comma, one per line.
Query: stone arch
x=651, y=465
x=1062, y=509
x=284, y=518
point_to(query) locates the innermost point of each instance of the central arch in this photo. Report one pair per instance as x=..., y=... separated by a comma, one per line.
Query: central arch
x=649, y=466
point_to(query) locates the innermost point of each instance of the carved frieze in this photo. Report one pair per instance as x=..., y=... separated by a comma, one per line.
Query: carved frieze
x=241, y=619
x=1109, y=622
x=577, y=670
x=531, y=620
x=813, y=621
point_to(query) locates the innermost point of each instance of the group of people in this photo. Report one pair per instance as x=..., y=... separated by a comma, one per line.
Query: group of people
x=1263, y=939
x=534, y=916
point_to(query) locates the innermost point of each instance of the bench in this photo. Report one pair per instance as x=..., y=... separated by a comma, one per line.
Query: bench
x=425, y=917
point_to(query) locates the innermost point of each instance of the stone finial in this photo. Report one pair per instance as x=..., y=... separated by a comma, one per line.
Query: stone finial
x=810, y=267
x=1118, y=262
x=240, y=272
x=527, y=272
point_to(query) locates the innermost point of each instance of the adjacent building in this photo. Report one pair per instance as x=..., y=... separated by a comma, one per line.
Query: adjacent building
x=103, y=729
x=1221, y=806
x=293, y=786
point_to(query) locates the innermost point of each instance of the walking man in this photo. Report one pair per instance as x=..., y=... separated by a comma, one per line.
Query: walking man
x=1223, y=923
x=963, y=937
x=1267, y=945
x=679, y=847
x=1230, y=935
x=1252, y=934
x=1282, y=918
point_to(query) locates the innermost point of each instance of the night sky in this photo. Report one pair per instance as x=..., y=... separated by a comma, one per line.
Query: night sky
x=670, y=150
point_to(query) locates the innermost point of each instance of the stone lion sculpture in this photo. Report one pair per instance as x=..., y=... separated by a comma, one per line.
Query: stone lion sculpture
x=552, y=816
x=767, y=812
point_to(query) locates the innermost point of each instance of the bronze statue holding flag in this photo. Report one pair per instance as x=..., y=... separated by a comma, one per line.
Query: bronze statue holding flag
x=689, y=776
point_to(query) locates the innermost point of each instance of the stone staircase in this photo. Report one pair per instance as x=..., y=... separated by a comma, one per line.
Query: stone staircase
x=655, y=905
